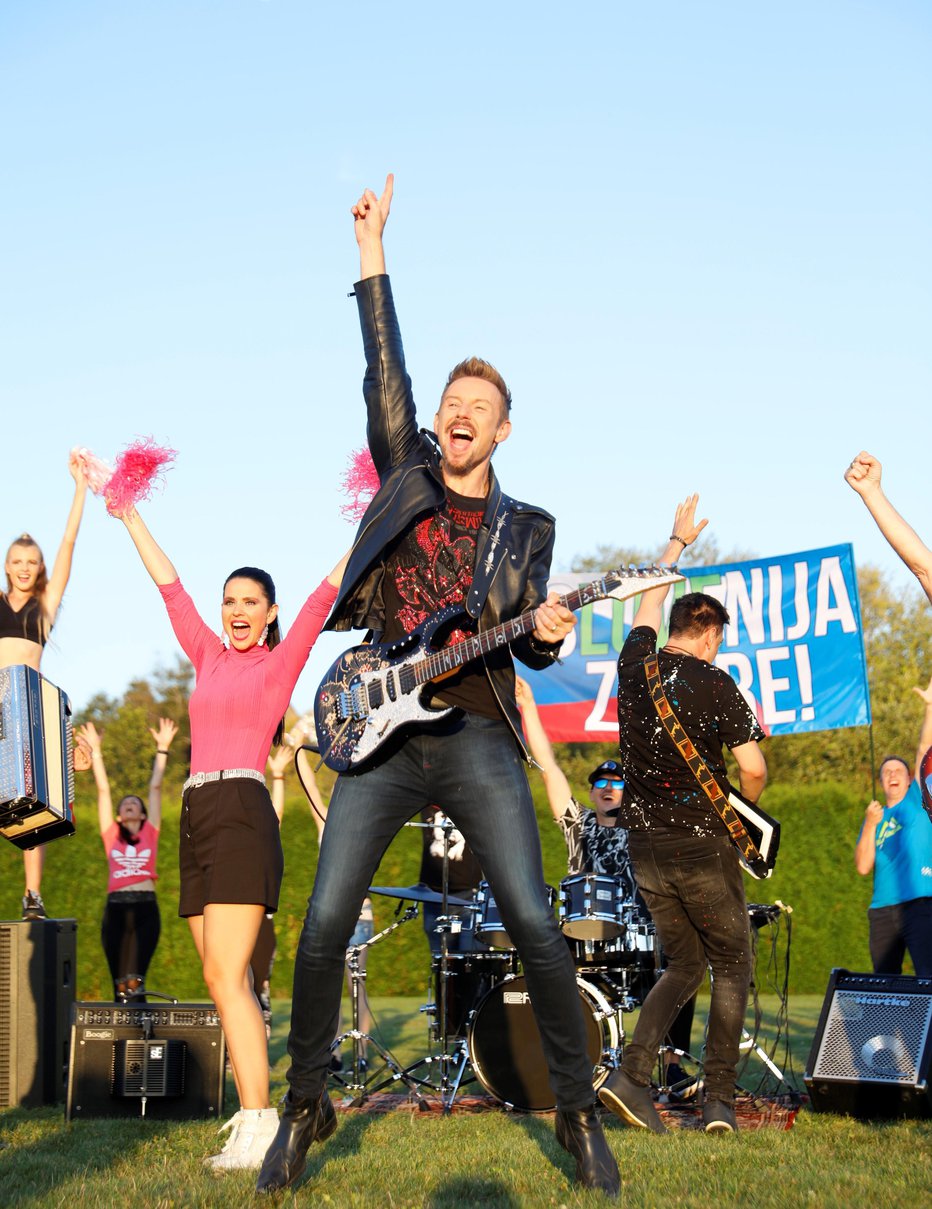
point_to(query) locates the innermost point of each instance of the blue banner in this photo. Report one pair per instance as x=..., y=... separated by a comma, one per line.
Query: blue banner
x=793, y=645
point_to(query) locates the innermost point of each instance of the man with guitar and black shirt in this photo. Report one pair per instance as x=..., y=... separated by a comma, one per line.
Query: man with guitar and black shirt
x=439, y=532
x=686, y=866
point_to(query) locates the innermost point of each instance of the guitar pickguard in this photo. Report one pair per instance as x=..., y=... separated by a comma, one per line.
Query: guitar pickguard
x=364, y=697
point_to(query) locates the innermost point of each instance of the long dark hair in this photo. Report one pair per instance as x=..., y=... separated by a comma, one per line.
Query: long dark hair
x=274, y=636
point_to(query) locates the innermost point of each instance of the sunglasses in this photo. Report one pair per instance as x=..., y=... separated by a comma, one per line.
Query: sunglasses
x=608, y=783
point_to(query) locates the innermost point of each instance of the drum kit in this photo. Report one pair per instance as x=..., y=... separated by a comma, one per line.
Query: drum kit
x=482, y=1027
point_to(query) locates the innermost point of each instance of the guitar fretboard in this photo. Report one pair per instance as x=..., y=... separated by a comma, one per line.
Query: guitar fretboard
x=448, y=659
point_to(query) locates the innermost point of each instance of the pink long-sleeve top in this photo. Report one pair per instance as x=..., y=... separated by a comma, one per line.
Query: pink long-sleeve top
x=240, y=697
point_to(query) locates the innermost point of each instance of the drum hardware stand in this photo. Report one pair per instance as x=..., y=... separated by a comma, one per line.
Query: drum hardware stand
x=446, y=925
x=363, y=1083
x=748, y=1045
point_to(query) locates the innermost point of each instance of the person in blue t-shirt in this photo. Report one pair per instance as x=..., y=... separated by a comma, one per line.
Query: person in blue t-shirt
x=896, y=845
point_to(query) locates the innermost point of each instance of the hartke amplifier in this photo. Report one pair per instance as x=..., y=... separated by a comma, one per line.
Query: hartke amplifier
x=871, y=1054
x=162, y=1061
x=37, y=973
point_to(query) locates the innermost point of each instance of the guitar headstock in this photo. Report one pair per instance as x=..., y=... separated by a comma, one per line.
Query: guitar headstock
x=623, y=582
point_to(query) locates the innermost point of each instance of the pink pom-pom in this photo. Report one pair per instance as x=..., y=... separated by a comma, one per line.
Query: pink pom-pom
x=137, y=469
x=360, y=483
x=97, y=472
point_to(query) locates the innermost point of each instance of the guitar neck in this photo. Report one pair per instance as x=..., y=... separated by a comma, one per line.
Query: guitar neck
x=449, y=658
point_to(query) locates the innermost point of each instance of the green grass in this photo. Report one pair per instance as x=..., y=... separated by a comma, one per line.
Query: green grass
x=815, y=875
x=488, y=1159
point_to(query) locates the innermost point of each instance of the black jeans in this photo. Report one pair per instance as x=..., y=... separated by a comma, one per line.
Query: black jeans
x=898, y=929
x=470, y=768
x=694, y=890
x=129, y=933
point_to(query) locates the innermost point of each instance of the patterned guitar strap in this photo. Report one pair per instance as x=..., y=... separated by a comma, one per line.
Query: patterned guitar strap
x=490, y=556
x=737, y=831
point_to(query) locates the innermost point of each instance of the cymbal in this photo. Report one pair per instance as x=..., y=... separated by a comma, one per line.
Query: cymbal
x=419, y=894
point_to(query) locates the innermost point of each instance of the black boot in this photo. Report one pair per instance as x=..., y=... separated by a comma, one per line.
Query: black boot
x=579, y=1132
x=302, y=1122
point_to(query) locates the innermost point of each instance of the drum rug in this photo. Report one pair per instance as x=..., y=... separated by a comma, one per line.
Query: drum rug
x=751, y=1112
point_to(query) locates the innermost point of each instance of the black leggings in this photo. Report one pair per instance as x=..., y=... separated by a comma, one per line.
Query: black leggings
x=129, y=933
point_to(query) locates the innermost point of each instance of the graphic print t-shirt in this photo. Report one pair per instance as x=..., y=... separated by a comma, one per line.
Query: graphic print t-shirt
x=131, y=864
x=430, y=567
x=463, y=872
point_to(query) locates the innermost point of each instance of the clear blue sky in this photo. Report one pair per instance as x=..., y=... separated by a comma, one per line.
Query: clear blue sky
x=695, y=238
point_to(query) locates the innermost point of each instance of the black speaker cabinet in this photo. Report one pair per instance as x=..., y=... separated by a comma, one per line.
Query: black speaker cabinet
x=871, y=1053
x=161, y=1061
x=37, y=972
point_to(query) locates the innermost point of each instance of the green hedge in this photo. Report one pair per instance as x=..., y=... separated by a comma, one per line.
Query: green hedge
x=815, y=876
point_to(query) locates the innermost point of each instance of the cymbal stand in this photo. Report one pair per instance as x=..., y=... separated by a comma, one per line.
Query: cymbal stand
x=361, y=1081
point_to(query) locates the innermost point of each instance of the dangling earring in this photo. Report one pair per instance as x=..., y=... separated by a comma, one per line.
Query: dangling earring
x=263, y=636
x=225, y=639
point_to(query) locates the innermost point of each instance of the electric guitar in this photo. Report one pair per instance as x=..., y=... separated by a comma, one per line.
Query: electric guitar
x=372, y=691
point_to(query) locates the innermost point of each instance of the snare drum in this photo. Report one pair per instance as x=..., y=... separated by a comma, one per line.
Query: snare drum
x=592, y=906
x=505, y=1048
x=470, y=976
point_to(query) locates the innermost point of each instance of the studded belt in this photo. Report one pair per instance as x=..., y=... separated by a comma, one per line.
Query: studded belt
x=226, y=774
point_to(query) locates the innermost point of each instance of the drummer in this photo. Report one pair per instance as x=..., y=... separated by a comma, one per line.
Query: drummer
x=595, y=843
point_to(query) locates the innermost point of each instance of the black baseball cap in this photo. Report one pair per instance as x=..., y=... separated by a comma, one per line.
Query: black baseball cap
x=608, y=768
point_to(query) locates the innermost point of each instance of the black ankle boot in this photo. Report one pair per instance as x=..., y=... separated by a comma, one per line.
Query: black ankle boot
x=302, y=1122
x=579, y=1132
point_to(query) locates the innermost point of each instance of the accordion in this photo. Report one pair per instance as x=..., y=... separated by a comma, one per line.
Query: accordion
x=36, y=759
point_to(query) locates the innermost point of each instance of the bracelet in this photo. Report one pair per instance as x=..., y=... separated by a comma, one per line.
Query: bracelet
x=161, y=751
x=674, y=537
x=276, y=778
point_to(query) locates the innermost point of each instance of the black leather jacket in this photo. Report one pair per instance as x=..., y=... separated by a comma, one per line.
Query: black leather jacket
x=408, y=462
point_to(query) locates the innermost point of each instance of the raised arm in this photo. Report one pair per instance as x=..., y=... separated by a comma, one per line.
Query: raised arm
x=163, y=737
x=684, y=532
x=863, y=476
x=61, y=570
x=278, y=762
x=925, y=731
x=865, y=851
x=370, y=214
x=558, y=788
x=91, y=736
x=154, y=558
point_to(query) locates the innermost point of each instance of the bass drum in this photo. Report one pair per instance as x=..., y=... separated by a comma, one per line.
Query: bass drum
x=506, y=1052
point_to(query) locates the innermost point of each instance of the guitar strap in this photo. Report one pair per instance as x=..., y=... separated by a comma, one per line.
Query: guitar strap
x=491, y=557
x=737, y=832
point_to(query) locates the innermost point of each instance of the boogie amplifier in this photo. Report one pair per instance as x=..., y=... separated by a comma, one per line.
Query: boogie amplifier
x=162, y=1061
x=36, y=759
x=872, y=1049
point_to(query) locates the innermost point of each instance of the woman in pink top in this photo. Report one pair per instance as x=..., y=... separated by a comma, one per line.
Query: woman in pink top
x=230, y=854
x=130, y=928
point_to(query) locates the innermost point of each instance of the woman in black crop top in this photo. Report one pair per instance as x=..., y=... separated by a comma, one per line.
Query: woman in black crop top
x=27, y=613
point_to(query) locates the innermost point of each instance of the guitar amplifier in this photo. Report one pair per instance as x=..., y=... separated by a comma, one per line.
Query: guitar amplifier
x=37, y=975
x=165, y=1062
x=36, y=759
x=872, y=1049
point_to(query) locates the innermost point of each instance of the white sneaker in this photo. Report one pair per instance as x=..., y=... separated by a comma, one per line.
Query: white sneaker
x=251, y=1133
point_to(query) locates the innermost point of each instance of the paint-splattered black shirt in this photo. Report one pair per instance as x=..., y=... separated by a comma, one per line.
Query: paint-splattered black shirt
x=661, y=794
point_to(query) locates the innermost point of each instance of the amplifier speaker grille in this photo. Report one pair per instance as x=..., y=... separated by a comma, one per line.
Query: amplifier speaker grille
x=871, y=1052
